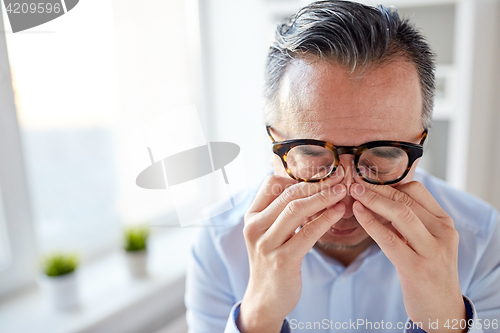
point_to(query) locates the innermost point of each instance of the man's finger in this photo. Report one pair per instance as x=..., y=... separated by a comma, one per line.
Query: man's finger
x=401, y=215
x=309, y=234
x=396, y=250
x=296, y=213
x=430, y=221
x=297, y=191
x=420, y=194
x=270, y=189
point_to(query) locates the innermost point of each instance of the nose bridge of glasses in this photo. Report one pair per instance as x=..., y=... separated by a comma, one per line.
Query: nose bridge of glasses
x=348, y=162
x=342, y=150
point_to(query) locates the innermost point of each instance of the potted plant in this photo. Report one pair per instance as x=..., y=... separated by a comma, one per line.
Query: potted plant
x=135, y=245
x=59, y=279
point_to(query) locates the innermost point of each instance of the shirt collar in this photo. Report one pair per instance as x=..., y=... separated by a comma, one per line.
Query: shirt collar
x=333, y=264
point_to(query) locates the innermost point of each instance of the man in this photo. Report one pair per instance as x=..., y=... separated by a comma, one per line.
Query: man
x=347, y=236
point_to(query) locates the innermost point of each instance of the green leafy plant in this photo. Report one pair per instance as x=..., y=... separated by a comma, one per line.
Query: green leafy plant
x=59, y=263
x=135, y=238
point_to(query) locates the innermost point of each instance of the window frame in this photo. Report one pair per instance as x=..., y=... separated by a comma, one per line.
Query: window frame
x=20, y=270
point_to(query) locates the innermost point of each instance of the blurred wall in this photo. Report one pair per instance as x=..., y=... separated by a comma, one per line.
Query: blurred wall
x=483, y=178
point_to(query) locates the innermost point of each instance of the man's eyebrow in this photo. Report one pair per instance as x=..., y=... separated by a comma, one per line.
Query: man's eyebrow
x=387, y=153
x=307, y=150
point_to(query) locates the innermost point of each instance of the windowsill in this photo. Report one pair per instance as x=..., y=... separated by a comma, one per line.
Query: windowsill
x=110, y=299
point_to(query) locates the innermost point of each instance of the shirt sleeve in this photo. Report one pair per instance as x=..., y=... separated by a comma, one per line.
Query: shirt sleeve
x=484, y=288
x=209, y=298
x=231, y=326
x=474, y=326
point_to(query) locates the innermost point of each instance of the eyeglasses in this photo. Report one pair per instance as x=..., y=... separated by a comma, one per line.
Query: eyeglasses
x=376, y=162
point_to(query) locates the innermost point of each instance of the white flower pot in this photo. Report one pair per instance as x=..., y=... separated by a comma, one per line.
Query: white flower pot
x=137, y=263
x=62, y=291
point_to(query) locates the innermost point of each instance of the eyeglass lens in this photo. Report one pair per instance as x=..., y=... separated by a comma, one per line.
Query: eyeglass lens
x=312, y=162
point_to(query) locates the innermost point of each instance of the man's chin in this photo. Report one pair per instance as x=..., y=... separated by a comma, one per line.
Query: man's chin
x=344, y=239
x=339, y=246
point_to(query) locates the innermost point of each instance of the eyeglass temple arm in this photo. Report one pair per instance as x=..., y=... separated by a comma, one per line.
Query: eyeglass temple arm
x=424, y=136
x=268, y=129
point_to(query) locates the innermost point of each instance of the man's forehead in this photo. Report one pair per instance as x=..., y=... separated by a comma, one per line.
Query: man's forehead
x=312, y=82
x=318, y=97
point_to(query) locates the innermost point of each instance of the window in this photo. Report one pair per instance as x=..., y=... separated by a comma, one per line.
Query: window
x=17, y=252
x=63, y=76
x=79, y=82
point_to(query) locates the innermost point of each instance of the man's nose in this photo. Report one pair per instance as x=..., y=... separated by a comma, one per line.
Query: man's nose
x=347, y=163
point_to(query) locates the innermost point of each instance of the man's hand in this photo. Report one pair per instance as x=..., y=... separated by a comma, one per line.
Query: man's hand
x=275, y=251
x=424, y=253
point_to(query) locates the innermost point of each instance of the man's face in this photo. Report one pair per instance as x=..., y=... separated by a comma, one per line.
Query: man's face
x=320, y=100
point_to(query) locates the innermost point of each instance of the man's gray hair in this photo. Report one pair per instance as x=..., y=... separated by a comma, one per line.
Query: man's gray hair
x=354, y=36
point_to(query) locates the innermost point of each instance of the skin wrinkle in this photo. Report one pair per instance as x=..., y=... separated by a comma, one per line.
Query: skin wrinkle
x=291, y=102
x=299, y=112
x=284, y=136
x=301, y=72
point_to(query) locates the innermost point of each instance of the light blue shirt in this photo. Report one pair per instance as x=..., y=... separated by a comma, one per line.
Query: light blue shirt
x=362, y=297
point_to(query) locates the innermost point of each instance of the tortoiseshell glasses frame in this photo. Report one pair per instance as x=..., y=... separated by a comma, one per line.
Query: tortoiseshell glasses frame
x=414, y=151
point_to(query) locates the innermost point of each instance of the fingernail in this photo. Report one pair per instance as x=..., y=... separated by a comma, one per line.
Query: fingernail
x=359, y=207
x=358, y=189
x=339, y=207
x=338, y=189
